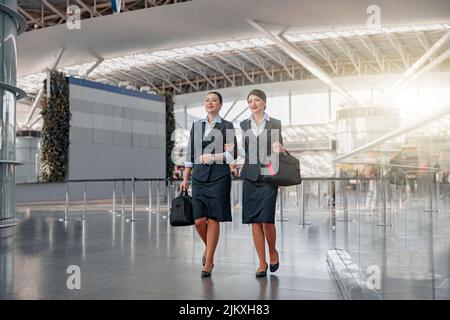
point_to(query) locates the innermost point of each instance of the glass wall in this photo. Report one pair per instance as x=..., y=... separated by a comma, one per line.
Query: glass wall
x=411, y=103
x=392, y=211
x=305, y=114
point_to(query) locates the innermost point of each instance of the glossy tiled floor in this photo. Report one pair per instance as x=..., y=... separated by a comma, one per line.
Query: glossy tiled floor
x=148, y=259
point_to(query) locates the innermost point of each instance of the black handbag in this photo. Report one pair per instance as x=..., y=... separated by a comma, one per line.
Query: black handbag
x=288, y=173
x=181, y=211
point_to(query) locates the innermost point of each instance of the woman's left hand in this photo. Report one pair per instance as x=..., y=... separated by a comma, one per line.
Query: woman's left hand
x=278, y=147
x=206, y=158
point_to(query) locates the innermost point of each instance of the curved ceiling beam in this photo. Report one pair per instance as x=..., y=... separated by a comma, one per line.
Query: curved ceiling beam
x=206, y=21
x=300, y=57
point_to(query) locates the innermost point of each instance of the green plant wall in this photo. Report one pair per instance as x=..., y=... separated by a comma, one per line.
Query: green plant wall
x=55, y=130
x=170, y=128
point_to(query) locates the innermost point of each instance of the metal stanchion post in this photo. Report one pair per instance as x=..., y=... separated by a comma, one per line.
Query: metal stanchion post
x=66, y=215
x=281, y=206
x=333, y=195
x=384, y=183
x=332, y=215
x=237, y=188
x=438, y=195
x=443, y=192
x=344, y=200
x=123, y=199
x=318, y=194
x=277, y=204
x=303, y=205
x=407, y=191
x=389, y=197
x=240, y=192
x=133, y=198
x=133, y=201
x=168, y=197
x=66, y=209
x=416, y=189
x=84, y=201
x=150, y=196
x=158, y=208
x=114, y=198
x=358, y=193
x=281, y=200
x=233, y=190
x=432, y=195
x=329, y=195
x=296, y=195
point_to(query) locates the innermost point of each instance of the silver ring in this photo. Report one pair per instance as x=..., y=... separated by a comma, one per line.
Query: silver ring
x=13, y=89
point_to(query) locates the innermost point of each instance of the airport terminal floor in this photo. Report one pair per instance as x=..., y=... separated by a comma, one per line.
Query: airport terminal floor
x=149, y=259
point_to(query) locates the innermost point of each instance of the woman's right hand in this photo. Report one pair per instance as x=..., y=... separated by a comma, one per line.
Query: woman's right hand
x=229, y=147
x=184, y=186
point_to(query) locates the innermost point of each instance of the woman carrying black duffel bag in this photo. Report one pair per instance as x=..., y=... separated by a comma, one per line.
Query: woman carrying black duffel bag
x=260, y=197
x=211, y=178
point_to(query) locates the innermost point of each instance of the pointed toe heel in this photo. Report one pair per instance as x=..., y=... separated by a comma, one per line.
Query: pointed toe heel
x=207, y=274
x=274, y=267
x=261, y=274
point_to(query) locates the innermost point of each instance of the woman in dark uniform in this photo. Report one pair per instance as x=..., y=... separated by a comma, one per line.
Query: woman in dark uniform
x=211, y=180
x=260, y=197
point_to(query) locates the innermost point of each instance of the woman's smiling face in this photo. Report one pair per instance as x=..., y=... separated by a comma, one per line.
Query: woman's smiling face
x=212, y=103
x=256, y=104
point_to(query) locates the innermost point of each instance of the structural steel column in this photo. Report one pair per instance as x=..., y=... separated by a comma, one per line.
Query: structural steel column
x=11, y=24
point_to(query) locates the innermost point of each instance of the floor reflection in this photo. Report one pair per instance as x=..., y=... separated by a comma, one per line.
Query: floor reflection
x=208, y=288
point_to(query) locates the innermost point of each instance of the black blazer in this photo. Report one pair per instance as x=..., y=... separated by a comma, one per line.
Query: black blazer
x=252, y=171
x=214, y=171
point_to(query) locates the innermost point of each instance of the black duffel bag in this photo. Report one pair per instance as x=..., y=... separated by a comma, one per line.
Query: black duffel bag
x=288, y=173
x=181, y=211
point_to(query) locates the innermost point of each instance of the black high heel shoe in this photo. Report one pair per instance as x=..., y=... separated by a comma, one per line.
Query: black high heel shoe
x=274, y=267
x=207, y=274
x=203, y=260
x=261, y=274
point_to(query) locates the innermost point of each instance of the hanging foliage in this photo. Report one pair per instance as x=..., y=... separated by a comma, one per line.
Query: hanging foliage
x=170, y=128
x=55, y=130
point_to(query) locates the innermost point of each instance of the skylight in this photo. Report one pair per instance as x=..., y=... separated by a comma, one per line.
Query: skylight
x=32, y=83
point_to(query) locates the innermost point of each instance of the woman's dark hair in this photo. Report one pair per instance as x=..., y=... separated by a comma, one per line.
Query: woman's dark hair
x=258, y=93
x=217, y=94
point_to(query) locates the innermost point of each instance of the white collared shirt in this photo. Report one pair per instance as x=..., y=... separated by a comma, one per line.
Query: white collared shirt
x=257, y=129
x=208, y=127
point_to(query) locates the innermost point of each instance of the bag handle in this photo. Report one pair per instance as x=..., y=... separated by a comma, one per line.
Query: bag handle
x=269, y=162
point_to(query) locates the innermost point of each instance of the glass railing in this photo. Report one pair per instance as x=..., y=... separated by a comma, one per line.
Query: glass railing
x=392, y=216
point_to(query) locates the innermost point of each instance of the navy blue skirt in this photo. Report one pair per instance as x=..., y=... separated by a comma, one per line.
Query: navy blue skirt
x=212, y=199
x=260, y=200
